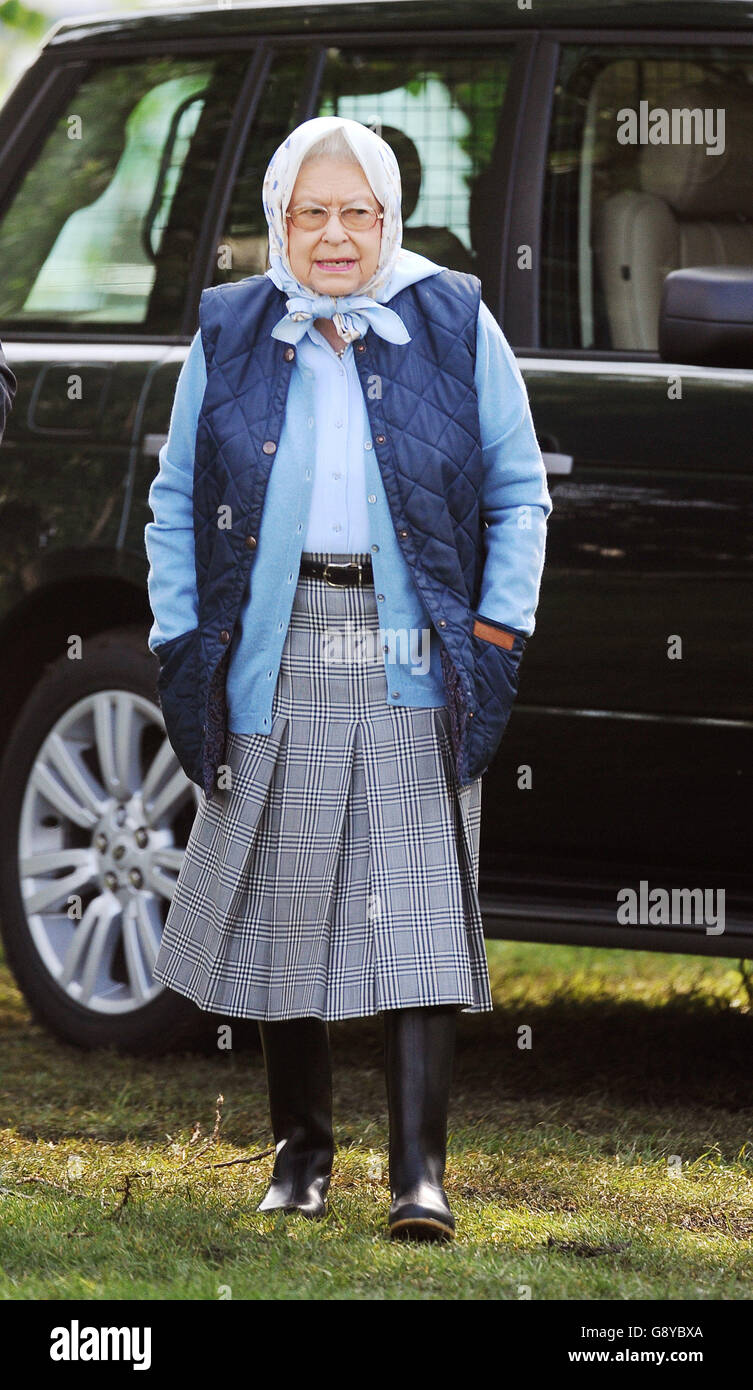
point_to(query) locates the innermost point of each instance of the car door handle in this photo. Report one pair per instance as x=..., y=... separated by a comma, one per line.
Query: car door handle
x=152, y=443
x=558, y=463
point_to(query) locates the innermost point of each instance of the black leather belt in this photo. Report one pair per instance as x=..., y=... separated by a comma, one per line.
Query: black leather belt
x=338, y=572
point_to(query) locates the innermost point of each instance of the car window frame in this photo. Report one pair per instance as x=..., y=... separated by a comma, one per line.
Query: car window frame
x=25, y=115
x=523, y=294
x=522, y=44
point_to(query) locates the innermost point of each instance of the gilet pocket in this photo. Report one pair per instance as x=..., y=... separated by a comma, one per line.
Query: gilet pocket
x=496, y=682
x=178, y=692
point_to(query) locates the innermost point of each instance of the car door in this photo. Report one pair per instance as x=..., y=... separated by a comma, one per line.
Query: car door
x=635, y=716
x=451, y=107
x=101, y=209
x=105, y=243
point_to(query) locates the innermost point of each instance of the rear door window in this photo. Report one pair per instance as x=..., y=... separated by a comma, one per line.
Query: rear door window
x=650, y=169
x=439, y=109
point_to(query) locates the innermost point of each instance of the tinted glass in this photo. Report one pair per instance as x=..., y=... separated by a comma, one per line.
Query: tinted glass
x=102, y=228
x=243, y=245
x=649, y=170
x=439, y=109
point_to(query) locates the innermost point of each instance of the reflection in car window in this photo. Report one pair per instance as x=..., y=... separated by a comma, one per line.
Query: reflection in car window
x=244, y=242
x=439, y=109
x=644, y=176
x=114, y=201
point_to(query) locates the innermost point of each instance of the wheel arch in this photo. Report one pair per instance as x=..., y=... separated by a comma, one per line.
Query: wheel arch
x=66, y=593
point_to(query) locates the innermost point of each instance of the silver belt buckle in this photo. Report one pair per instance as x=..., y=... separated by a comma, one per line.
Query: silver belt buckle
x=349, y=565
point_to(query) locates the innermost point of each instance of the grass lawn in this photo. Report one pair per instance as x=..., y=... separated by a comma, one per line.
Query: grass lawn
x=611, y=1160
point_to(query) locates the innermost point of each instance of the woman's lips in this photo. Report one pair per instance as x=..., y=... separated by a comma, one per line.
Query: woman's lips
x=335, y=266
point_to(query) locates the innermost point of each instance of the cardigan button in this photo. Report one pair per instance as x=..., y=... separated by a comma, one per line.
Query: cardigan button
x=289, y=354
x=251, y=542
x=224, y=635
x=269, y=446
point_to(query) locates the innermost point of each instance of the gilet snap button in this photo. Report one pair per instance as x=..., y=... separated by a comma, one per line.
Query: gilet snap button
x=224, y=635
x=380, y=439
x=251, y=542
x=289, y=354
x=269, y=446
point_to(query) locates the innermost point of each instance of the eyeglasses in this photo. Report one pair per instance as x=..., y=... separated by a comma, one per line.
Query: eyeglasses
x=310, y=218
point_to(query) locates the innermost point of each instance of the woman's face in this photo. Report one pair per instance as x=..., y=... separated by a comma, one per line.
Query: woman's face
x=327, y=183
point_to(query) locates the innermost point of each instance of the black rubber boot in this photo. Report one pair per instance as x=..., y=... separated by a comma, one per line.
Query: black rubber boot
x=299, y=1082
x=419, y=1046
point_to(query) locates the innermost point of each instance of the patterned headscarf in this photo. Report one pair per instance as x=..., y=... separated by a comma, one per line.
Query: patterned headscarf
x=353, y=313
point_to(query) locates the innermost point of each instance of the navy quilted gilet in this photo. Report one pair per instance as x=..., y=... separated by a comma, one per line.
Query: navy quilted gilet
x=423, y=412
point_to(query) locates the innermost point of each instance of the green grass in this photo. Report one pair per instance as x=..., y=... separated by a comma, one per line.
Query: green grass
x=612, y=1159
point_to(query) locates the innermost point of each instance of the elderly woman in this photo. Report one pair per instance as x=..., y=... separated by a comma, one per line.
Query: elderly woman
x=345, y=559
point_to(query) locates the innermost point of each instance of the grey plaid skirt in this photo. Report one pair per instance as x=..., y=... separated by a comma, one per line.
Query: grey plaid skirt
x=337, y=874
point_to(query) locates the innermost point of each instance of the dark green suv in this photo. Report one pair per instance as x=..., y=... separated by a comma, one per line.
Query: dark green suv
x=591, y=163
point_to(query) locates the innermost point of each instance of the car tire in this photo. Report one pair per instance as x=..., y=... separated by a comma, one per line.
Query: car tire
x=83, y=719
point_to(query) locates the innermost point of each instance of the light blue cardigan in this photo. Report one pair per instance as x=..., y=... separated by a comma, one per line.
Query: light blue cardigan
x=325, y=493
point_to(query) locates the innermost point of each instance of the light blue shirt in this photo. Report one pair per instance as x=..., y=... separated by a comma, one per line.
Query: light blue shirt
x=325, y=493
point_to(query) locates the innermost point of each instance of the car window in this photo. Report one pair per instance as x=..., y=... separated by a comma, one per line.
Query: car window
x=438, y=109
x=244, y=241
x=103, y=224
x=649, y=170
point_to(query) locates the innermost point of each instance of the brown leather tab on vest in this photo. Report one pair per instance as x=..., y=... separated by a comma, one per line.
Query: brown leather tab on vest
x=493, y=634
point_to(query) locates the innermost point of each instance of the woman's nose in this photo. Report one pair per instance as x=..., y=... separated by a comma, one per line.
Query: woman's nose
x=336, y=232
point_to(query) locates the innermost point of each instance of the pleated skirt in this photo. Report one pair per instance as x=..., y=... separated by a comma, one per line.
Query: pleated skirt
x=336, y=874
